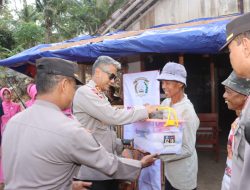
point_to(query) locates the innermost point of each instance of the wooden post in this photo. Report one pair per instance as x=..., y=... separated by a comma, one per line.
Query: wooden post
x=81, y=72
x=181, y=59
x=213, y=90
x=241, y=6
x=124, y=70
x=142, y=62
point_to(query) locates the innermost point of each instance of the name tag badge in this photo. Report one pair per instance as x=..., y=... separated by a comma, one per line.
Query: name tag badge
x=169, y=140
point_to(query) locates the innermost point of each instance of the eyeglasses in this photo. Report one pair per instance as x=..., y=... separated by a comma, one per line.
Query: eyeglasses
x=112, y=76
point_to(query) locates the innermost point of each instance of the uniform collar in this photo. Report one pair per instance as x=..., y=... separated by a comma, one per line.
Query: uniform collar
x=92, y=84
x=47, y=104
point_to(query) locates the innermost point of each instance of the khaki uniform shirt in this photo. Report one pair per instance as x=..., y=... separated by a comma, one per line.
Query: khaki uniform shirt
x=43, y=149
x=241, y=154
x=238, y=157
x=92, y=108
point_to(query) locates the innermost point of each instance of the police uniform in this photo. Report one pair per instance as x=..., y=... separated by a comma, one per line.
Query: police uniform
x=241, y=164
x=43, y=148
x=92, y=108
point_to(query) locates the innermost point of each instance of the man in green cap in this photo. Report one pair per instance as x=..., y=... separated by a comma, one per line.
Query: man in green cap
x=235, y=95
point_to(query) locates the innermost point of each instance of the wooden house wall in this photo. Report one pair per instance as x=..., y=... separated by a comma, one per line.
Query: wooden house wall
x=246, y=6
x=177, y=11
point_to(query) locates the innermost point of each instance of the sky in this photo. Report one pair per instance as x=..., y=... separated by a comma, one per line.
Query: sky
x=18, y=4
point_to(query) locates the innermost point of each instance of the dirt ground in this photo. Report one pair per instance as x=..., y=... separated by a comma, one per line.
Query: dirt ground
x=210, y=172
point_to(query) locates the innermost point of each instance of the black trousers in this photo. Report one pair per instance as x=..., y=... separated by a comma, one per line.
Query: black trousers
x=168, y=185
x=105, y=185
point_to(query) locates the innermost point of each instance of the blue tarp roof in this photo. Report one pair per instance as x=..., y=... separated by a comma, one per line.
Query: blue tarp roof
x=196, y=37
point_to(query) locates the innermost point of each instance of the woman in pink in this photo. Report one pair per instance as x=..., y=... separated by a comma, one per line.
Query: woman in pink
x=32, y=92
x=9, y=109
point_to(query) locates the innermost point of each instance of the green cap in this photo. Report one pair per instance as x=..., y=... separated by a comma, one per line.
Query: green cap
x=240, y=85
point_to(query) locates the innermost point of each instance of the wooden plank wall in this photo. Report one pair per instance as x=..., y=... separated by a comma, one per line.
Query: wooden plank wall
x=178, y=11
x=246, y=6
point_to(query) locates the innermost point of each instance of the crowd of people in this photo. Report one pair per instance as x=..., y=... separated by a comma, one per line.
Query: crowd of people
x=64, y=138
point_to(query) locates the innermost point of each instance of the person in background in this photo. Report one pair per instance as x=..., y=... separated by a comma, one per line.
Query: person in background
x=32, y=92
x=9, y=110
x=43, y=149
x=236, y=91
x=238, y=44
x=1, y=170
x=113, y=99
x=92, y=108
x=180, y=169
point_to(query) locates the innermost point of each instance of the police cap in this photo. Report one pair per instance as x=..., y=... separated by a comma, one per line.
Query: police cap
x=237, y=26
x=58, y=66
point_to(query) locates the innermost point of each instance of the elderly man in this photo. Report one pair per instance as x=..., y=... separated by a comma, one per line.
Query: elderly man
x=238, y=43
x=43, y=148
x=236, y=91
x=180, y=170
x=92, y=108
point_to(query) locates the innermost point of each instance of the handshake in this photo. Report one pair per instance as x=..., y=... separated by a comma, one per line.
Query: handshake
x=151, y=108
x=147, y=159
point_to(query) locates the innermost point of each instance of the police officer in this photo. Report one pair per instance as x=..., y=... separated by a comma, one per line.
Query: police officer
x=43, y=148
x=238, y=43
x=92, y=108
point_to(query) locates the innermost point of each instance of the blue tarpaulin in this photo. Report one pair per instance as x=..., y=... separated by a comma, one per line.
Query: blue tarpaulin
x=201, y=38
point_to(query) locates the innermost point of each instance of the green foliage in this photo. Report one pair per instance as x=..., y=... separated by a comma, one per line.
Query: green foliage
x=47, y=21
x=6, y=18
x=88, y=15
x=86, y=18
x=6, y=39
x=29, y=14
x=28, y=34
x=51, y=21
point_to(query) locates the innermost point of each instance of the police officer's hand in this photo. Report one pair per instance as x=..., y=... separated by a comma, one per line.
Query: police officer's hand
x=80, y=185
x=151, y=108
x=148, y=160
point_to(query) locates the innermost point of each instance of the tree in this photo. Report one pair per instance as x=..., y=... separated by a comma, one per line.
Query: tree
x=56, y=20
x=7, y=42
x=6, y=39
x=54, y=13
x=48, y=21
x=69, y=18
x=88, y=15
x=29, y=14
x=28, y=34
x=6, y=18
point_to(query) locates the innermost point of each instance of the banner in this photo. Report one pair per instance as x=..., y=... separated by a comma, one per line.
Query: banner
x=139, y=89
